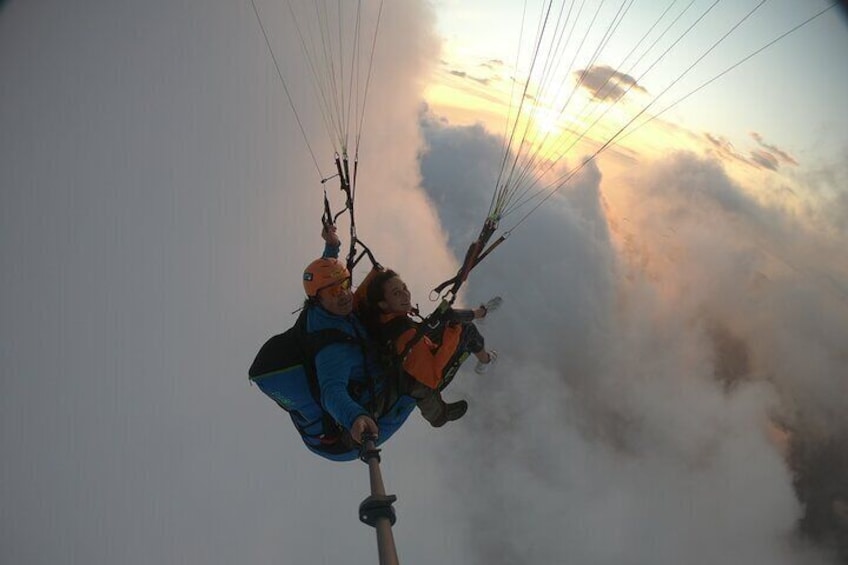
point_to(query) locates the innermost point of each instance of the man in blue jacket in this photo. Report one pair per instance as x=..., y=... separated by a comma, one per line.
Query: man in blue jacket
x=354, y=389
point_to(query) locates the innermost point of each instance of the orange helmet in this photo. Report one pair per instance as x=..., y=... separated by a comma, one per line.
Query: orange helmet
x=322, y=273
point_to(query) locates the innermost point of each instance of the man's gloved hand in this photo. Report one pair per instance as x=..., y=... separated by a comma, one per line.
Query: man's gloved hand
x=363, y=424
x=329, y=235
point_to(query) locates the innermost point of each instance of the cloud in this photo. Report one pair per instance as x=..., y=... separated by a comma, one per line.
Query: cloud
x=825, y=198
x=764, y=159
x=159, y=204
x=776, y=153
x=756, y=272
x=605, y=83
x=638, y=384
x=724, y=149
x=765, y=156
x=464, y=75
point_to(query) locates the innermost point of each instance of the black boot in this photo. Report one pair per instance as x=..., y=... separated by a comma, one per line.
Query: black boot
x=453, y=411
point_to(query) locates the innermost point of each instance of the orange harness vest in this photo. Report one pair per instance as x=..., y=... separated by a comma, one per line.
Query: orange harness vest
x=427, y=361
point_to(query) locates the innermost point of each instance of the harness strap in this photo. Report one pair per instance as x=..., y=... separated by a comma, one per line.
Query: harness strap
x=394, y=328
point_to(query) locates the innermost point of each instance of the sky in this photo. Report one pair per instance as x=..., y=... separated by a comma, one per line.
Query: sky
x=670, y=386
x=783, y=93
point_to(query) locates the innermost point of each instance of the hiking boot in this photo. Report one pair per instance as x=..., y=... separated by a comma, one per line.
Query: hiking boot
x=453, y=411
x=482, y=368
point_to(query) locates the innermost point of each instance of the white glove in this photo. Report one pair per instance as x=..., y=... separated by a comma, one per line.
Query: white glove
x=492, y=305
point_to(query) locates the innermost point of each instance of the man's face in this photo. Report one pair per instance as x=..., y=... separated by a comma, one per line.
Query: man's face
x=337, y=298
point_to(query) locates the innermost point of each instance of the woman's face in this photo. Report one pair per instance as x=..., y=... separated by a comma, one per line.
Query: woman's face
x=396, y=297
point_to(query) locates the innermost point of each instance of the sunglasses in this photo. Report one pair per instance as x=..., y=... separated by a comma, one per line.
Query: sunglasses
x=336, y=288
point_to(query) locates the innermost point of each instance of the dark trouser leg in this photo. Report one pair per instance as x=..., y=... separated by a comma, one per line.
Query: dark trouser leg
x=470, y=341
x=429, y=401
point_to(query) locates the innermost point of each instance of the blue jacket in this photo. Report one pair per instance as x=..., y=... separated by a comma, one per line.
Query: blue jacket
x=341, y=367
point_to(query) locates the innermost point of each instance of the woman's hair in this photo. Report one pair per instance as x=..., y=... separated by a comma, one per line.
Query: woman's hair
x=369, y=310
x=376, y=291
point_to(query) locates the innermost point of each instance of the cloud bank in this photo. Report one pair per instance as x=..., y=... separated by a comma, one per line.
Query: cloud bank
x=158, y=206
x=665, y=360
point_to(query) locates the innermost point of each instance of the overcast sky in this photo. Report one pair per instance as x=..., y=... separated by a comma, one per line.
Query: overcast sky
x=671, y=338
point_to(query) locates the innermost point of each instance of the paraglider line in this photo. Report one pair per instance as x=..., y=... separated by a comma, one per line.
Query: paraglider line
x=285, y=88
